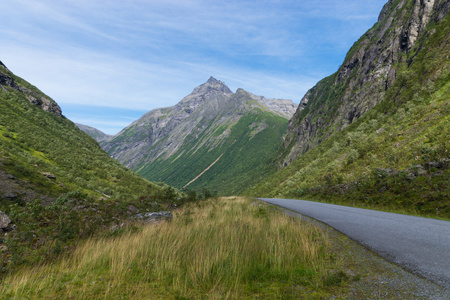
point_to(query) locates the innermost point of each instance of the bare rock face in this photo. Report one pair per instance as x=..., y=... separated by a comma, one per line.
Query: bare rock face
x=369, y=70
x=421, y=16
x=282, y=107
x=46, y=104
x=7, y=81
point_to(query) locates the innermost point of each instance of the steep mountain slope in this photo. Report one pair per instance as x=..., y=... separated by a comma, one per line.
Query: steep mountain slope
x=371, y=67
x=96, y=134
x=377, y=132
x=36, y=138
x=56, y=183
x=227, y=138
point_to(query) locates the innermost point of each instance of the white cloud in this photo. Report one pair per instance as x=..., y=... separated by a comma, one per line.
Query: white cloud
x=89, y=78
x=144, y=54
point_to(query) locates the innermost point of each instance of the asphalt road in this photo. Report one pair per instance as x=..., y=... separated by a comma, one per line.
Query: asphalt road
x=420, y=245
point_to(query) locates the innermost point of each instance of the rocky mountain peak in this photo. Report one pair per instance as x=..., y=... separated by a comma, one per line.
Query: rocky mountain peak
x=212, y=85
x=203, y=118
x=242, y=91
x=212, y=80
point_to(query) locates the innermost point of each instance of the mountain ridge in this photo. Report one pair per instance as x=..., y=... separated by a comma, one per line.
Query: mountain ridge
x=370, y=68
x=203, y=119
x=95, y=133
x=376, y=133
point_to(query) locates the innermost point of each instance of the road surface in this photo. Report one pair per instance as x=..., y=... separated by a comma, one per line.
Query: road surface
x=420, y=245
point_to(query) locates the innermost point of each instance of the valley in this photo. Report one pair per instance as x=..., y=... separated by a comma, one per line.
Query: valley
x=166, y=208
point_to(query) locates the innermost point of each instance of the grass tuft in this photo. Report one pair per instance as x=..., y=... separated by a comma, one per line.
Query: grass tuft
x=227, y=248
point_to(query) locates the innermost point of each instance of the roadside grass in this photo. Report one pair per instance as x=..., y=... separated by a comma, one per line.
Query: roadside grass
x=223, y=248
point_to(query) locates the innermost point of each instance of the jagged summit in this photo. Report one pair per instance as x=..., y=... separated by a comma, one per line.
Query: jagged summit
x=212, y=85
x=213, y=80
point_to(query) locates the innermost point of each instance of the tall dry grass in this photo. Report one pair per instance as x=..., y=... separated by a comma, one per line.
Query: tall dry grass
x=227, y=248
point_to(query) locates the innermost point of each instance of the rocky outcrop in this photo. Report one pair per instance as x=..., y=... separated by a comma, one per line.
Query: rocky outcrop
x=7, y=81
x=369, y=70
x=10, y=196
x=42, y=102
x=49, y=175
x=153, y=217
x=4, y=220
x=427, y=169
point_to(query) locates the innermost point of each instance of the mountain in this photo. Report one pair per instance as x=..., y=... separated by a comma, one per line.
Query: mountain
x=96, y=134
x=213, y=138
x=36, y=138
x=376, y=132
x=372, y=66
x=56, y=184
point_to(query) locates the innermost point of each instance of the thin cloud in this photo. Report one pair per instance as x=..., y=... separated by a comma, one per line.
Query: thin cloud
x=145, y=54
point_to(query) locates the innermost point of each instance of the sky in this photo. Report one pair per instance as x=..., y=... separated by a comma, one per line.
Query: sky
x=107, y=62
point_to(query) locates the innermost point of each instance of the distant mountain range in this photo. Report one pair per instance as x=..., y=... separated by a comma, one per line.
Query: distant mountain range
x=96, y=134
x=213, y=138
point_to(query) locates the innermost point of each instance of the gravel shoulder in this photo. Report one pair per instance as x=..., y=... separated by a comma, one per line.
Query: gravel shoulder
x=373, y=277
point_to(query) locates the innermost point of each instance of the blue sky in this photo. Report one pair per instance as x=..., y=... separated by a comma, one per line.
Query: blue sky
x=106, y=63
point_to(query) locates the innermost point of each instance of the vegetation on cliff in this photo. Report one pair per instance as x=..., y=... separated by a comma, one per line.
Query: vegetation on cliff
x=396, y=155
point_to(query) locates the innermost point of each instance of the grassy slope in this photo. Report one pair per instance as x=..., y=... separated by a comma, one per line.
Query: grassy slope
x=221, y=249
x=217, y=249
x=36, y=141
x=92, y=189
x=410, y=127
x=244, y=158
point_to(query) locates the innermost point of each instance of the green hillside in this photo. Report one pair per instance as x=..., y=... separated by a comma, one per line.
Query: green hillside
x=243, y=158
x=396, y=155
x=56, y=183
